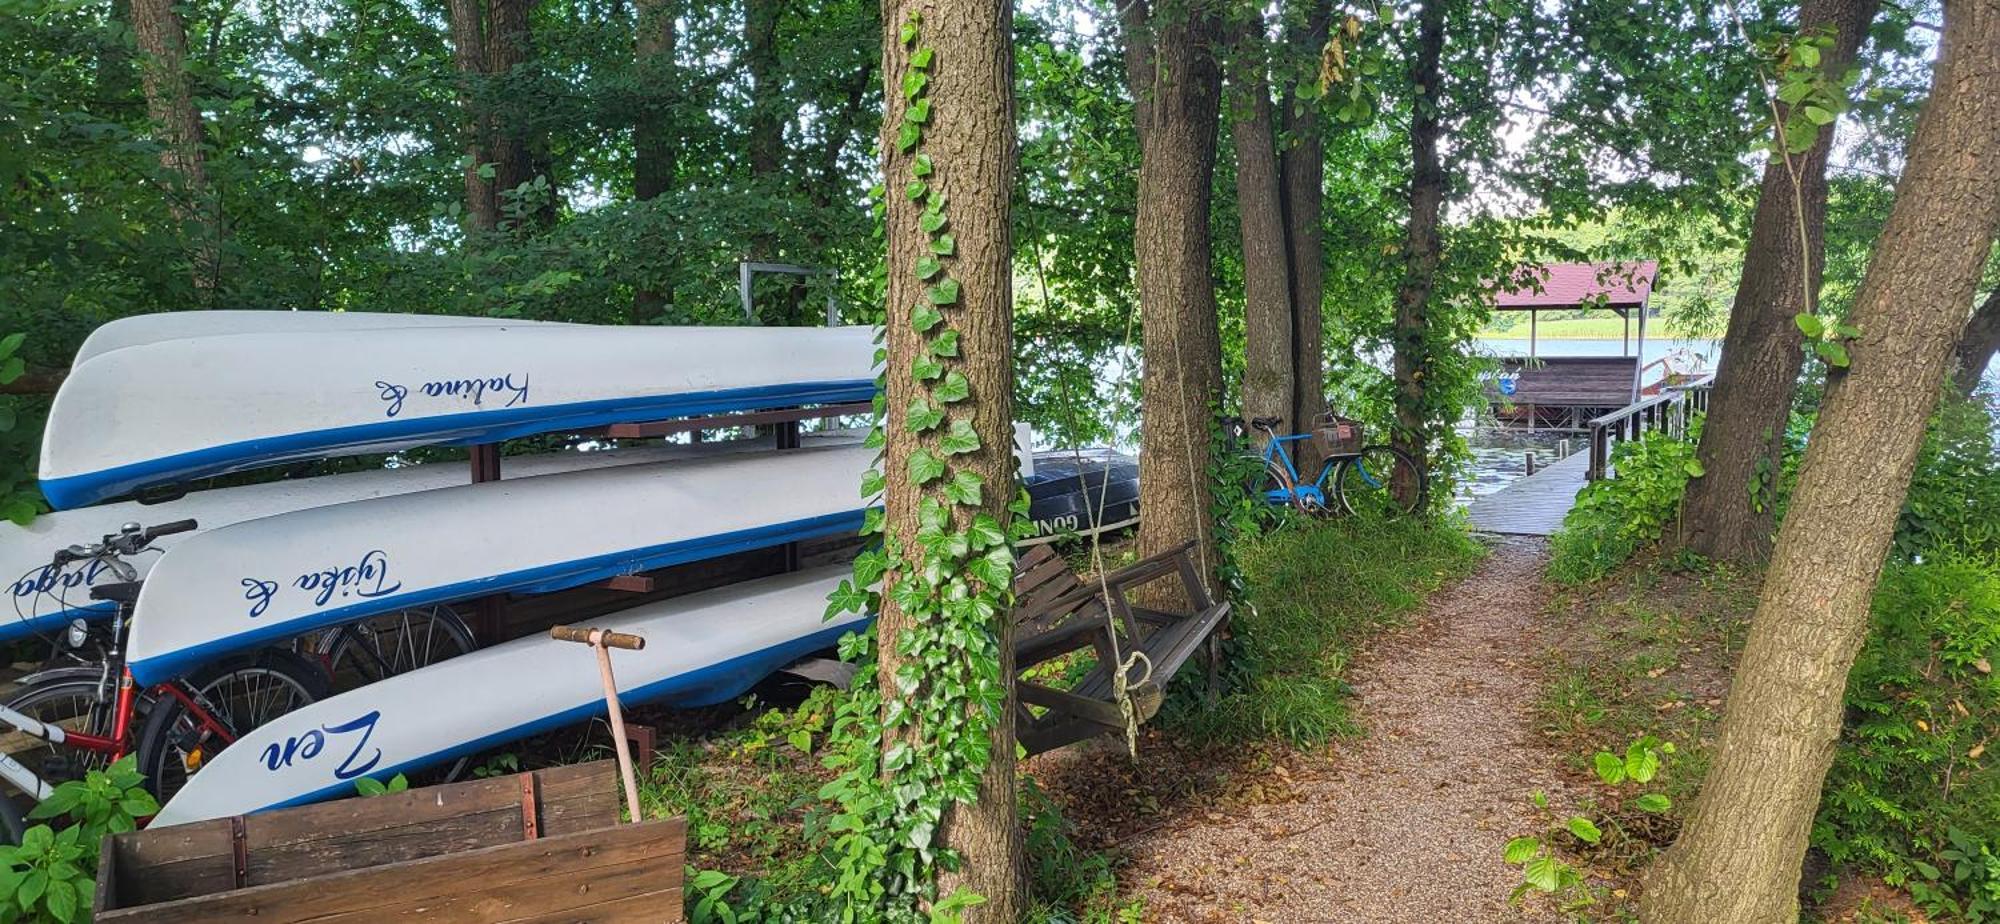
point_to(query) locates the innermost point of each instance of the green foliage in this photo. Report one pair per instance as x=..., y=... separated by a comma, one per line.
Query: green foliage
x=1543, y=867
x=1314, y=591
x=369, y=786
x=20, y=501
x=1954, y=498
x=49, y=877
x=1616, y=517
x=1914, y=790
x=1069, y=885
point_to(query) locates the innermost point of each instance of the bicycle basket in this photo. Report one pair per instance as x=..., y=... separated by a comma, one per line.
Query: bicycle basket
x=1334, y=435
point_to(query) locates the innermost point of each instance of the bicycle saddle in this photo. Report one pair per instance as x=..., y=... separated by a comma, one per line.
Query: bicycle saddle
x=120, y=592
x=1266, y=423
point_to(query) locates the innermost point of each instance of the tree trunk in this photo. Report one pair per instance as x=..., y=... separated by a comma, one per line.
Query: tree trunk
x=1409, y=335
x=970, y=142
x=760, y=59
x=1176, y=90
x=1723, y=516
x=1738, y=858
x=162, y=42
x=468, y=52
x=508, y=46
x=1977, y=343
x=655, y=156
x=1302, y=165
x=1267, y=284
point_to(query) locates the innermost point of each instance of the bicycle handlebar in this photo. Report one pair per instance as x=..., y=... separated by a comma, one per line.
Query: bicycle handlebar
x=129, y=541
x=166, y=529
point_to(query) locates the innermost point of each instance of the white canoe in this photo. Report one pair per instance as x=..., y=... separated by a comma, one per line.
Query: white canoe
x=142, y=329
x=174, y=410
x=44, y=598
x=233, y=588
x=700, y=650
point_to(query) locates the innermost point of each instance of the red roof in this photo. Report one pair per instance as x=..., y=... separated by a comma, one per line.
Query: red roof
x=1569, y=285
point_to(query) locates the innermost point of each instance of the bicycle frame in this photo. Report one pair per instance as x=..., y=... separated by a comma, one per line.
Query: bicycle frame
x=1297, y=488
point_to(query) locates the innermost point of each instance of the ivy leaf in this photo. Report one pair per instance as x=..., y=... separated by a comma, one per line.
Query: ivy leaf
x=953, y=389
x=946, y=291
x=944, y=245
x=916, y=189
x=1810, y=325
x=876, y=439
x=945, y=344
x=909, y=32
x=922, y=59
x=1832, y=351
x=919, y=112
x=908, y=136
x=931, y=222
x=872, y=483
x=913, y=84
x=925, y=369
x=927, y=267
x=925, y=317
x=922, y=416
x=846, y=598
x=961, y=439
x=925, y=467
x=985, y=532
x=966, y=487
x=922, y=166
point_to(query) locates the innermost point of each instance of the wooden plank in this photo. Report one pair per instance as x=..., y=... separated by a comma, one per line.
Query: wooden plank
x=1535, y=505
x=197, y=859
x=537, y=877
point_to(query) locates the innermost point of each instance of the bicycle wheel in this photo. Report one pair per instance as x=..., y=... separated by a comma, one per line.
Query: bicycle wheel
x=1273, y=485
x=391, y=644
x=73, y=701
x=1380, y=481
x=240, y=693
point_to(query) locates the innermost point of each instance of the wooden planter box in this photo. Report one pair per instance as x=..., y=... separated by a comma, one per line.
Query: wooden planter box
x=537, y=846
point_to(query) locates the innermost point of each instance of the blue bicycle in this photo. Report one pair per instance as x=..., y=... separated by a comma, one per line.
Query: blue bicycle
x=1362, y=480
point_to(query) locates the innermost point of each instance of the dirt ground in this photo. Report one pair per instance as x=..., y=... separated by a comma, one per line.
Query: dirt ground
x=1404, y=824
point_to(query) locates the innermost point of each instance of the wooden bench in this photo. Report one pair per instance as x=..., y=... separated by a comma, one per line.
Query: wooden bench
x=1057, y=613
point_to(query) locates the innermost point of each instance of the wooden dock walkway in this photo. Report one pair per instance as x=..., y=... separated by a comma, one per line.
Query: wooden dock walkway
x=1535, y=505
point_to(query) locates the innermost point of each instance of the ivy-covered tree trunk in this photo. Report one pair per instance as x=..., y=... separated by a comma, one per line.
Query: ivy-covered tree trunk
x=1729, y=512
x=1738, y=858
x=162, y=41
x=1176, y=88
x=1977, y=343
x=1302, y=168
x=1267, y=283
x=1409, y=334
x=655, y=149
x=949, y=162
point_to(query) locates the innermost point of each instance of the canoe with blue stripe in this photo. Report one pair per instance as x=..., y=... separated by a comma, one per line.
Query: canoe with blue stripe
x=261, y=581
x=42, y=598
x=142, y=329
x=174, y=410
x=701, y=649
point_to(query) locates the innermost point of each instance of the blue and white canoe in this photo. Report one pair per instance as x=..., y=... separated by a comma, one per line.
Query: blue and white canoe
x=142, y=329
x=701, y=649
x=165, y=412
x=41, y=599
x=240, y=586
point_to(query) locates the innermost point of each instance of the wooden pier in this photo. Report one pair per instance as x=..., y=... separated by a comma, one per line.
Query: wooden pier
x=1535, y=505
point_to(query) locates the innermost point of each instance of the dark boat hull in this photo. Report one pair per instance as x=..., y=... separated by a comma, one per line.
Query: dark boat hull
x=1082, y=493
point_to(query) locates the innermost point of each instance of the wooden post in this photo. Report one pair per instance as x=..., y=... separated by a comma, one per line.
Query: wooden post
x=489, y=613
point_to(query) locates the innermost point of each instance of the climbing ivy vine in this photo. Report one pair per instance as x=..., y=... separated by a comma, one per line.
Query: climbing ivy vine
x=910, y=745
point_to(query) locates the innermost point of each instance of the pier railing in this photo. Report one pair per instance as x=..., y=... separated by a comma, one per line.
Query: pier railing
x=1671, y=411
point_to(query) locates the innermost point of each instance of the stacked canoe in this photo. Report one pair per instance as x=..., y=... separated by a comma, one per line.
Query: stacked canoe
x=155, y=404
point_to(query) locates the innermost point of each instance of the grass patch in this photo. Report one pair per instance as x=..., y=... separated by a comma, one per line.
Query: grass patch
x=1567, y=329
x=1316, y=590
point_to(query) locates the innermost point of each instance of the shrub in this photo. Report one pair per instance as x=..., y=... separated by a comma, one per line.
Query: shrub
x=1914, y=792
x=1954, y=499
x=1614, y=518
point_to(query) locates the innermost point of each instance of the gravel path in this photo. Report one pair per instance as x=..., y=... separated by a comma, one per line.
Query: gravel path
x=1408, y=823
